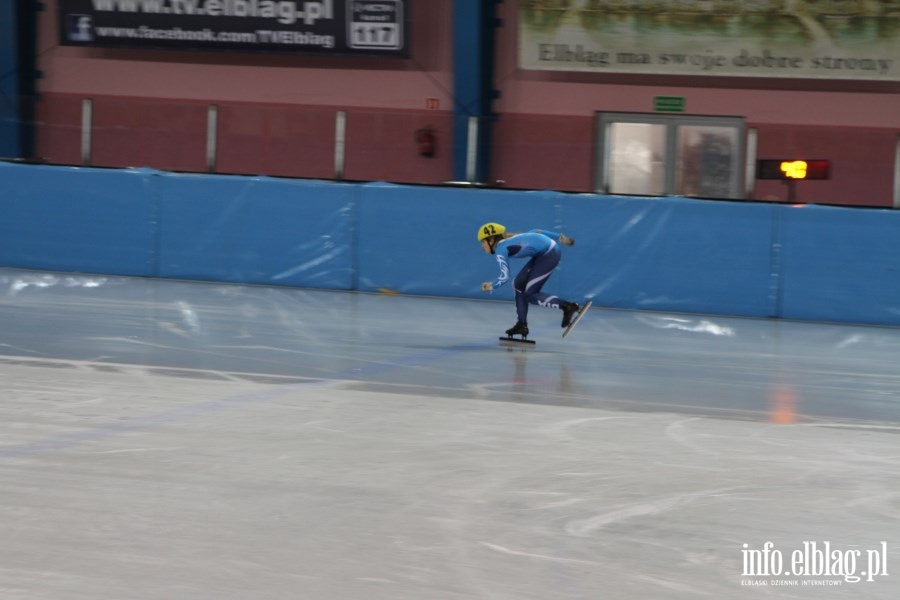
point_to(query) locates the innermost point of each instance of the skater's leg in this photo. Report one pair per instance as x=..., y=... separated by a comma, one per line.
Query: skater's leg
x=541, y=269
x=542, y=299
x=520, y=285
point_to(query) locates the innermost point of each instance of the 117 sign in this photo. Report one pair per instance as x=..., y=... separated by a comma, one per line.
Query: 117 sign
x=375, y=24
x=366, y=35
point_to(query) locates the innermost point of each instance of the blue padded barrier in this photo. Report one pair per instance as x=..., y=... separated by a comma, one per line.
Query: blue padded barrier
x=841, y=264
x=71, y=219
x=671, y=254
x=257, y=230
x=421, y=240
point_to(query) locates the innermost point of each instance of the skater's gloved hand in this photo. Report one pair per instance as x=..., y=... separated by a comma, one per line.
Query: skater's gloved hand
x=487, y=286
x=566, y=240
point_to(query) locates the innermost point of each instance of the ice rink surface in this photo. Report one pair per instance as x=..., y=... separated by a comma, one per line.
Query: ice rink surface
x=173, y=440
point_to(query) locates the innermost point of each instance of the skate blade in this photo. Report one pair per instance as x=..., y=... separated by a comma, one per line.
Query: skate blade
x=577, y=318
x=516, y=342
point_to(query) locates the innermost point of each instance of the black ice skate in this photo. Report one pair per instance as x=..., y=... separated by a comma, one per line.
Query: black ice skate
x=570, y=309
x=520, y=329
x=577, y=316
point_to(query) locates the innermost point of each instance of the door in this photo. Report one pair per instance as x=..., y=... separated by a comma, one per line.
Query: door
x=655, y=155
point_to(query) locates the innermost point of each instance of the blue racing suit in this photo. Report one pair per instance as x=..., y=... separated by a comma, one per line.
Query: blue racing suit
x=541, y=247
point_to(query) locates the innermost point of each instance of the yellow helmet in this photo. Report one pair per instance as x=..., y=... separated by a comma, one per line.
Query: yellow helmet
x=490, y=229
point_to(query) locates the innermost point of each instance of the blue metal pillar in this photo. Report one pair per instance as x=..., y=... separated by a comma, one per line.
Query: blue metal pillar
x=18, y=32
x=474, y=22
x=10, y=133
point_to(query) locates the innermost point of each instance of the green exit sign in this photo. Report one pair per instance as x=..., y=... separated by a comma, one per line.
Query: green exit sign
x=669, y=103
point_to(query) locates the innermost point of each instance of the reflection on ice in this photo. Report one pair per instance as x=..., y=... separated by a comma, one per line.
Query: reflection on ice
x=189, y=316
x=686, y=324
x=17, y=283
